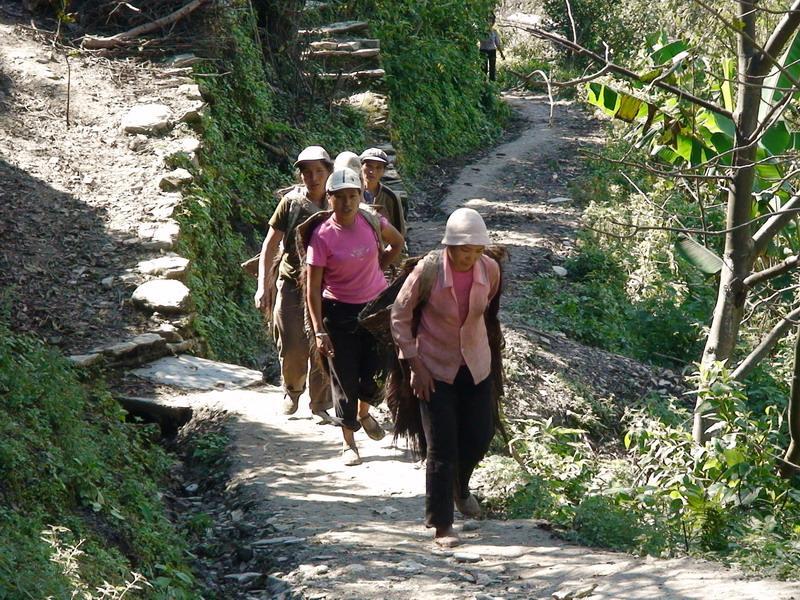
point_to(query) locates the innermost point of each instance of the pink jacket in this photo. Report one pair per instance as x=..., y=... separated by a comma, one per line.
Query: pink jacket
x=441, y=341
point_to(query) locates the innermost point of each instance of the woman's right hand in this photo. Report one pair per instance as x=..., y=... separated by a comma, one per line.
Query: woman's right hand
x=260, y=298
x=324, y=344
x=421, y=379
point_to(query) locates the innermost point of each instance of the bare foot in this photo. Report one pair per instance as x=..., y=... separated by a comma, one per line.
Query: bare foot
x=446, y=537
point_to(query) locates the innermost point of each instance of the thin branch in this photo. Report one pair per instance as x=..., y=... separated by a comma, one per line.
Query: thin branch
x=770, y=54
x=549, y=94
x=777, y=221
x=771, y=272
x=768, y=299
x=780, y=36
x=627, y=73
x=638, y=228
x=570, y=83
x=572, y=22
x=647, y=198
x=679, y=173
x=95, y=43
x=767, y=343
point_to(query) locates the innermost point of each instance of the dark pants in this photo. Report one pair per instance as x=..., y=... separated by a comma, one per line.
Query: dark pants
x=355, y=362
x=489, y=63
x=459, y=427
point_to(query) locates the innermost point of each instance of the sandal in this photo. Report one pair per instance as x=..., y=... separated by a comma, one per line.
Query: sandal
x=350, y=456
x=372, y=428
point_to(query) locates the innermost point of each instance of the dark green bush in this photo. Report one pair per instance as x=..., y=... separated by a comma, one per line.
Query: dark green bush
x=67, y=459
x=600, y=522
x=224, y=217
x=441, y=104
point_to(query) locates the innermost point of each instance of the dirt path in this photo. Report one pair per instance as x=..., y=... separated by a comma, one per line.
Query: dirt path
x=356, y=532
x=336, y=532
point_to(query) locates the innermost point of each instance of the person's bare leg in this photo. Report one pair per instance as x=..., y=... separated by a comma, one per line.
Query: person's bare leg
x=363, y=409
x=350, y=454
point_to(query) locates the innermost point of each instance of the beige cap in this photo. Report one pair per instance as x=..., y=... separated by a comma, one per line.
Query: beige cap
x=313, y=153
x=374, y=154
x=465, y=227
x=343, y=179
x=347, y=160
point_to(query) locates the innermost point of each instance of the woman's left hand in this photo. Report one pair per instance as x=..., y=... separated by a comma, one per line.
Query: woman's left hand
x=324, y=344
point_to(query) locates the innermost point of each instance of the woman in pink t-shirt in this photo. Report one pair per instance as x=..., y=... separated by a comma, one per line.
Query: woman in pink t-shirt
x=345, y=262
x=448, y=349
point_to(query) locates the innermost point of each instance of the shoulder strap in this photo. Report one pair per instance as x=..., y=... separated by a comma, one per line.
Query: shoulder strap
x=375, y=222
x=431, y=265
x=294, y=215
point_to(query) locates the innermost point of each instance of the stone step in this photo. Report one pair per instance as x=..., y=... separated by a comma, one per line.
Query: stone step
x=312, y=5
x=351, y=76
x=341, y=43
x=359, y=54
x=336, y=28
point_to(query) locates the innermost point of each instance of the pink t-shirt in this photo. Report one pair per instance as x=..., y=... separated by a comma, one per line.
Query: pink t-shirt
x=462, y=284
x=350, y=257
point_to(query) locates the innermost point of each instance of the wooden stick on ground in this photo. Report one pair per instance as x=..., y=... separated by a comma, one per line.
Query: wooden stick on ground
x=95, y=43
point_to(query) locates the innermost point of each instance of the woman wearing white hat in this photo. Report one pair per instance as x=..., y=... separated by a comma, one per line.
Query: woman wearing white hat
x=448, y=349
x=296, y=205
x=345, y=261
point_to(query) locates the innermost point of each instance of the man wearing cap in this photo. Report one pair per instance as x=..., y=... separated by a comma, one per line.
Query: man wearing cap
x=299, y=203
x=384, y=200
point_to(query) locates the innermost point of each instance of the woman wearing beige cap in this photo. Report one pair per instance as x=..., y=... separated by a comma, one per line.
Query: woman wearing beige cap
x=346, y=254
x=448, y=349
x=296, y=205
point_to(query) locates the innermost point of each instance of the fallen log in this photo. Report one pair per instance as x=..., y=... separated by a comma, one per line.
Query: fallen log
x=120, y=39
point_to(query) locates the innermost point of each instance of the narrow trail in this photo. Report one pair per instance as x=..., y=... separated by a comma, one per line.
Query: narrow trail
x=356, y=532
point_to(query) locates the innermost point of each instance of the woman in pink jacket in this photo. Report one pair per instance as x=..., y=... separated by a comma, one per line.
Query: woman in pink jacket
x=449, y=355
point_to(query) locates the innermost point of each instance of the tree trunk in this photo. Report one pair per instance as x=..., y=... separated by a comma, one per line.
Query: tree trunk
x=738, y=254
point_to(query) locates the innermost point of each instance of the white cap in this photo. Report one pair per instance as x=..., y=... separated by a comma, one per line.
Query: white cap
x=313, y=153
x=347, y=160
x=465, y=227
x=343, y=179
x=374, y=154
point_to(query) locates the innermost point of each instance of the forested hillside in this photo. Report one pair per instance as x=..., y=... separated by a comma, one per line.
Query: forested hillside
x=638, y=159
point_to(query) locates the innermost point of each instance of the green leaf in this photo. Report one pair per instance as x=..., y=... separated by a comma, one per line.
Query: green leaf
x=733, y=456
x=728, y=73
x=776, y=82
x=669, y=52
x=777, y=139
x=698, y=255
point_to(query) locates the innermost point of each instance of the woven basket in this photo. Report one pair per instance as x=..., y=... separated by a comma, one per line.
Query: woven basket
x=376, y=316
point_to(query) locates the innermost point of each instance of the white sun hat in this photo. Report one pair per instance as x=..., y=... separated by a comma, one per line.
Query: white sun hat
x=313, y=153
x=347, y=160
x=465, y=227
x=375, y=154
x=343, y=179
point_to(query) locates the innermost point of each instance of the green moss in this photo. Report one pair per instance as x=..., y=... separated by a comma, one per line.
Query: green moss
x=441, y=104
x=249, y=138
x=67, y=459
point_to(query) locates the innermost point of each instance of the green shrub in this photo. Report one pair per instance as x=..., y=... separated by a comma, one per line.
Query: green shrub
x=441, y=104
x=599, y=521
x=622, y=25
x=225, y=214
x=506, y=488
x=68, y=460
